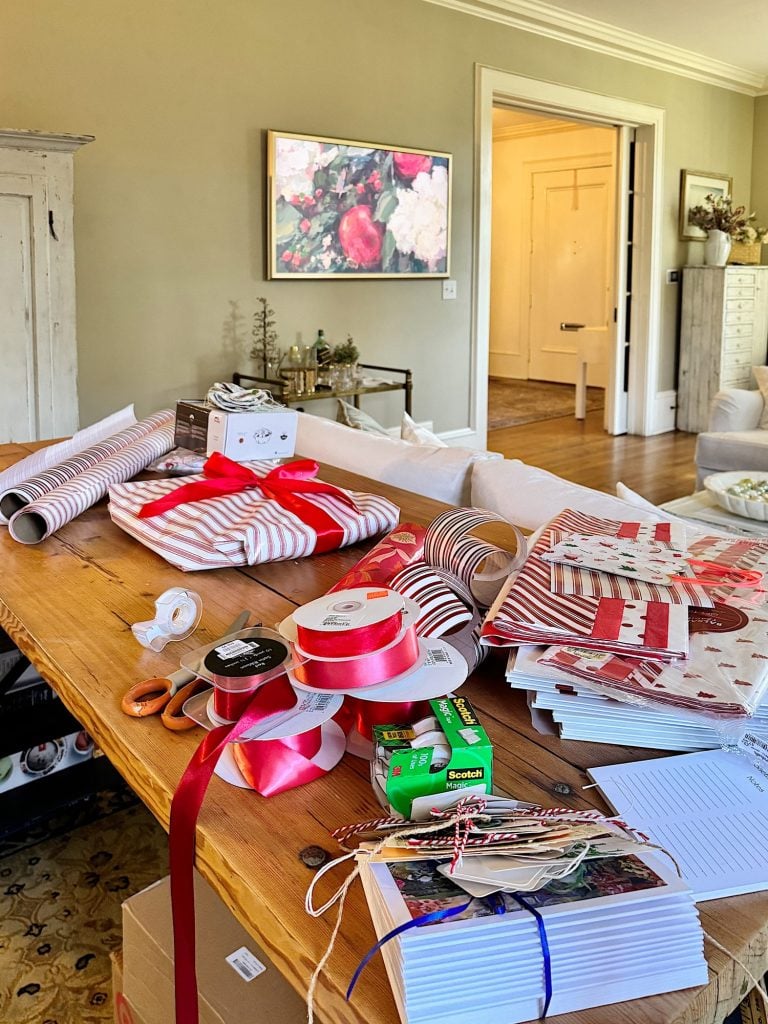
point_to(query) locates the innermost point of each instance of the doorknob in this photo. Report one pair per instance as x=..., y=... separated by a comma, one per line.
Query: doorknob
x=566, y=326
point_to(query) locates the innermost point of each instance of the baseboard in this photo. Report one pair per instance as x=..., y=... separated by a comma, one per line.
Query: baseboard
x=465, y=437
x=664, y=412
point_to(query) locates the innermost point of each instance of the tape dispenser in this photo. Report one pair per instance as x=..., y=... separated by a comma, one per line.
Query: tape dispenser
x=177, y=613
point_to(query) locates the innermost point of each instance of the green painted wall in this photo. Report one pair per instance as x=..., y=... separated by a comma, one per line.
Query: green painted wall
x=759, y=196
x=170, y=196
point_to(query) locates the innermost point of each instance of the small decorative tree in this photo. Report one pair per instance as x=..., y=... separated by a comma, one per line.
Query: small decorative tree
x=265, y=338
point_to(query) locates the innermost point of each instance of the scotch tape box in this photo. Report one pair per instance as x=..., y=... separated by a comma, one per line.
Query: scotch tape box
x=460, y=756
x=241, y=436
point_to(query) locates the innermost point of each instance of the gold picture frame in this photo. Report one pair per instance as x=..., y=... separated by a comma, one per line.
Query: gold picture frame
x=694, y=186
x=341, y=209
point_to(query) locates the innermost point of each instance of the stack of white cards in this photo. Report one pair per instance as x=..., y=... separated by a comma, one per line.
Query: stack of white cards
x=617, y=928
x=582, y=714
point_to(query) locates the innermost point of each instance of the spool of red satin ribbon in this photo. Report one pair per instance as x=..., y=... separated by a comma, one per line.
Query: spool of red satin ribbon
x=239, y=667
x=349, y=623
x=272, y=766
x=363, y=670
x=370, y=712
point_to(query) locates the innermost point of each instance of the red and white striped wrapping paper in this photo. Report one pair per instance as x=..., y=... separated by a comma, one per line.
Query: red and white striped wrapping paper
x=239, y=529
x=35, y=487
x=726, y=673
x=40, y=518
x=530, y=613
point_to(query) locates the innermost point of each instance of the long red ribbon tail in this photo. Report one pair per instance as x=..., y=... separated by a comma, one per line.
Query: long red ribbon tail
x=185, y=808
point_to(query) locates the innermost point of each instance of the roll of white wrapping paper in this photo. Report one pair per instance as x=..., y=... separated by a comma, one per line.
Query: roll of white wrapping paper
x=17, y=497
x=39, y=519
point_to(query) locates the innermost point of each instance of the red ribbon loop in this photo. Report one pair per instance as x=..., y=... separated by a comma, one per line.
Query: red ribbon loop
x=283, y=484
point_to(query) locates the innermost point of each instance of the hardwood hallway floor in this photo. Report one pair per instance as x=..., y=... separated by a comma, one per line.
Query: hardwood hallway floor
x=660, y=468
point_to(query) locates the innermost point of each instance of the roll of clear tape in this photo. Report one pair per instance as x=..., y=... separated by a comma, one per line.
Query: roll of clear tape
x=177, y=614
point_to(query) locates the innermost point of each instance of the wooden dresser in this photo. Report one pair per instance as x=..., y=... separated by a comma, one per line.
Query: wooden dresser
x=723, y=334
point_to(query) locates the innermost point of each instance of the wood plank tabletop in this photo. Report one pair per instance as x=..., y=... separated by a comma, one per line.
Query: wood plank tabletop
x=69, y=602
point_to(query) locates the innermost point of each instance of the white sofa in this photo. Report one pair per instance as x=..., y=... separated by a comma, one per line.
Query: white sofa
x=734, y=439
x=523, y=494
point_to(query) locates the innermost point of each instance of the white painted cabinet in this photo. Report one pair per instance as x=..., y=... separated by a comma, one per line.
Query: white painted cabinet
x=38, y=347
x=723, y=334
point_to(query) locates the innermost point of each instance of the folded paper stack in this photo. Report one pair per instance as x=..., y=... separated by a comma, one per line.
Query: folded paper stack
x=630, y=611
x=617, y=928
x=560, y=702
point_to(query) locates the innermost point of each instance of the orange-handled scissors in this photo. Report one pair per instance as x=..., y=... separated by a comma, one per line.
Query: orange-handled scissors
x=166, y=695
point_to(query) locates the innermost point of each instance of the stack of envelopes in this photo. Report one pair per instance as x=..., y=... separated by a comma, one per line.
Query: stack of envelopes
x=581, y=713
x=617, y=928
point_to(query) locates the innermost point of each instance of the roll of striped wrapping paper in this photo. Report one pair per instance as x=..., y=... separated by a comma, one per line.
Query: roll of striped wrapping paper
x=22, y=494
x=40, y=518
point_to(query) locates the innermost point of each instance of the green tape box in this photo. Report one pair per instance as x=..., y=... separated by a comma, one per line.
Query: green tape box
x=448, y=751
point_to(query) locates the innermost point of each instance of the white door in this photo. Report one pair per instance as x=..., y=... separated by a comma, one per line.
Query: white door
x=23, y=303
x=572, y=273
x=38, y=348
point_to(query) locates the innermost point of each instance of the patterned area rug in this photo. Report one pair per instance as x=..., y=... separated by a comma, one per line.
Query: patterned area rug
x=60, y=916
x=513, y=402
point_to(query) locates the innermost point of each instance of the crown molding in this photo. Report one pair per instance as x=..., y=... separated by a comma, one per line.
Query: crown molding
x=15, y=138
x=545, y=19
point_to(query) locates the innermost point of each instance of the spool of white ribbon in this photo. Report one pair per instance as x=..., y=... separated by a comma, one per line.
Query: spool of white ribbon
x=177, y=613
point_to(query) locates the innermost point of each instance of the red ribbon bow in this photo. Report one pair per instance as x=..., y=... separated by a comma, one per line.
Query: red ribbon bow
x=284, y=485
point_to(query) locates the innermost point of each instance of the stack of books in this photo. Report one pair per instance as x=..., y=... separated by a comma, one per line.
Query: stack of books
x=555, y=699
x=617, y=928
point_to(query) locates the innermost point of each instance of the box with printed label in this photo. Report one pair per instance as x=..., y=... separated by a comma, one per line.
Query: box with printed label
x=237, y=983
x=242, y=436
x=450, y=750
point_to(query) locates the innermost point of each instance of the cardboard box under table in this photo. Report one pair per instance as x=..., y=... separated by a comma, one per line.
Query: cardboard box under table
x=237, y=983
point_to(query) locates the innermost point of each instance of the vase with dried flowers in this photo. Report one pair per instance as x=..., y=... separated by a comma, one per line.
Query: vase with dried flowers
x=265, y=349
x=722, y=222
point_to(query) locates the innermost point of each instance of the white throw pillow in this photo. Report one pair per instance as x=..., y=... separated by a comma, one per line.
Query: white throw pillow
x=761, y=376
x=411, y=431
x=440, y=473
x=529, y=496
x=359, y=420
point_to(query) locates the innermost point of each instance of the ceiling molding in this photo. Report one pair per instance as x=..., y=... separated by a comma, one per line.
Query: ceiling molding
x=545, y=19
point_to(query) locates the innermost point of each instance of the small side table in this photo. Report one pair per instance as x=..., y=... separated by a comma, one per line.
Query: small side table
x=277, y=387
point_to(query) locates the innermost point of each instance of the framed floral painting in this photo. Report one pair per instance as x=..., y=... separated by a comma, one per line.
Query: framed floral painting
x=354, y=209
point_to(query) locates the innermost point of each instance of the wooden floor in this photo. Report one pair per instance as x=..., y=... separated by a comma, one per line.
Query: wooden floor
x=660, y=468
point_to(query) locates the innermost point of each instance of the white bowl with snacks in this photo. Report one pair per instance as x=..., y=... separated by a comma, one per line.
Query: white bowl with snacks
x=745, y=492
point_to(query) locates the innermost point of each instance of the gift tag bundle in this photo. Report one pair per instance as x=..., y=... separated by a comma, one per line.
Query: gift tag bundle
x=493, y=909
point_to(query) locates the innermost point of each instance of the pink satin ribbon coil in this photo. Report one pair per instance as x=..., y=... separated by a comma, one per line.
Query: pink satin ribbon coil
x=365, y=669
x=348, y=643
x=230, y=704
x=273, y=766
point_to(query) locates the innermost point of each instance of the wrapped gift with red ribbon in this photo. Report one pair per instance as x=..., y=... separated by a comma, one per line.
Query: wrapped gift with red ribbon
x=236, y=514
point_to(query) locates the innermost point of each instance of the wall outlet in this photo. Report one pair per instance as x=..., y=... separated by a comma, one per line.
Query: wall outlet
x=673, y=277
x=449, y=289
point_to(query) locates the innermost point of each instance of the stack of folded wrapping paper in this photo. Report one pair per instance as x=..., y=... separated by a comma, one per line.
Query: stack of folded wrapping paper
x=633, y=612
x=37, y=506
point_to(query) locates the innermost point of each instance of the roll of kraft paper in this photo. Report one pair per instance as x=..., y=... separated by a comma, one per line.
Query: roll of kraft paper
x=17, y=497
x=49, y=513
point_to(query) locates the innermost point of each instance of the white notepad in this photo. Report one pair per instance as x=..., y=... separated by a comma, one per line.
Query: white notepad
x=710, y=810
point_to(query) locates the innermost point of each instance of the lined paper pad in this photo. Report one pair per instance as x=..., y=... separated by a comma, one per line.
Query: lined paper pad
x=710, y=810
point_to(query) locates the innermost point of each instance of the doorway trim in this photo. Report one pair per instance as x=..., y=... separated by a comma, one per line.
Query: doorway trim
x=493, y=86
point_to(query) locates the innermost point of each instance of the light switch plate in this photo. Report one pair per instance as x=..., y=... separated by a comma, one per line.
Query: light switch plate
x=449, y=289
x=673, y=277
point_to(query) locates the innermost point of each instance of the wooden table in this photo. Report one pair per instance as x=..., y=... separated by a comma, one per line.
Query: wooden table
x=68, y=603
